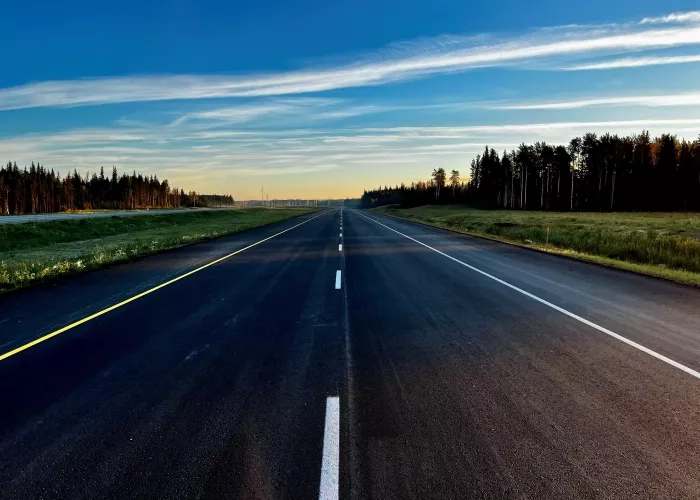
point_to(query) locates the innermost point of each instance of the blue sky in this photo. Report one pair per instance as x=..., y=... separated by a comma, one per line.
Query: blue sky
x=316, y=99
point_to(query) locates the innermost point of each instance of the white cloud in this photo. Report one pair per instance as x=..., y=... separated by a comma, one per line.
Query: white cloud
x=279, y=112
x=397, y=63
x=549, y=127
x=634, y=62
x=688, y=99
x=676, y=17
x=226, y=160
x=250, y=112
x=267, y=152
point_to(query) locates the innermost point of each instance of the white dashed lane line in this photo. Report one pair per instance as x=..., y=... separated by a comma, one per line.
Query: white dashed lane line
x=330, y=466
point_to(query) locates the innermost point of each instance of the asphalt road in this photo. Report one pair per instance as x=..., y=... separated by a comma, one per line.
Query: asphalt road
x=19, y=219
x=463, y=368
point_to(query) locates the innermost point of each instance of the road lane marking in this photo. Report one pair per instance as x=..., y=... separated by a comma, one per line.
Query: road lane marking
x=142, y=294
x=337, y=279
x=340, y=247
x=604, y=330
x=330, y=466
x=341, y=235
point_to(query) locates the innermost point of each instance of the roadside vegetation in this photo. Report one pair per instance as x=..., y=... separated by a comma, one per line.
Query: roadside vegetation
x=33, y=252
x=663, y=244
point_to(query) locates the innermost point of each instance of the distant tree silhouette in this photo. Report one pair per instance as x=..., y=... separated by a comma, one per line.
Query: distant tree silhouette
x=454, y=181
x=38, y=190
x=592, y=173
x=439, y=179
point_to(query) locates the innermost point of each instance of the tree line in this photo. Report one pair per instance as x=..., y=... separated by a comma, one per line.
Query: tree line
x=211, y=200
x=592, y=173
x=36, y=190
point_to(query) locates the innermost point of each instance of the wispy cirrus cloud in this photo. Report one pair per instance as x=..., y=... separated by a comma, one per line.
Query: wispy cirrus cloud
x=676, y=17
x=289, y=161
x=683, y=99
x=401, y=62
x=634, y=62
x=282, y=111
x=176, y=152
x=251, y=112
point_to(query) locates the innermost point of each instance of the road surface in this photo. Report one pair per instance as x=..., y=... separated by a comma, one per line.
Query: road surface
x=19, y=219
x=381, y=360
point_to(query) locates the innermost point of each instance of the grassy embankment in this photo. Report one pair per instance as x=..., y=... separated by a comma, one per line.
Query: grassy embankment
x=33, y=252
x=665, y=245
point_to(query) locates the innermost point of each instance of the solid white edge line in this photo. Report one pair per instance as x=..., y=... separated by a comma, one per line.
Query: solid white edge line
x=337, y=279
x=330, y=466
x=604, y=330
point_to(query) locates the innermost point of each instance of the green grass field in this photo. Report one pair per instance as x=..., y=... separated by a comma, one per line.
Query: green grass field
x=665, y=245
x=34, y=252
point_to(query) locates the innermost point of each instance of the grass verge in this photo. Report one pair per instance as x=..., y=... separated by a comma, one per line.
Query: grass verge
x=664, y=245
x=32, y=252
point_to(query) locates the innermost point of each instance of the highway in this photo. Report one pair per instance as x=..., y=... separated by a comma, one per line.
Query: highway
x=349, y=355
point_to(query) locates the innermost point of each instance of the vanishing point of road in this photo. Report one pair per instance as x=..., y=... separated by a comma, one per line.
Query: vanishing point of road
x=348, y=355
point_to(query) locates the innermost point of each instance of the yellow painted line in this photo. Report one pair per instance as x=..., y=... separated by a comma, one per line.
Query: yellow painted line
x=142, y=294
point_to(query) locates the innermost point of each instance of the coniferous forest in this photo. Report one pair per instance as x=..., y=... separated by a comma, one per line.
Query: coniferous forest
x=36, y=189
x=591, y=173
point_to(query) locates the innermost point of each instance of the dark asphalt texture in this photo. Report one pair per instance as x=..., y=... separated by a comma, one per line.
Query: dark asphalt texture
x=451, y=384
